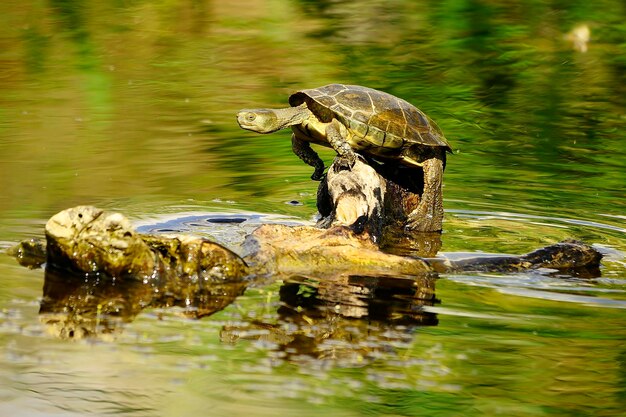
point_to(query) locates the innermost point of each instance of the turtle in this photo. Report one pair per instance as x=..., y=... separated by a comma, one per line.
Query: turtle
x=353, y=119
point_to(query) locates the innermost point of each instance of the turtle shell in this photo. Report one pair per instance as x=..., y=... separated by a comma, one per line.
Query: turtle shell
x=375, y=116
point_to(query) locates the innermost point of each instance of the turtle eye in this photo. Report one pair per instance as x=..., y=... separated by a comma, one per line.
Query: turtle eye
x=250, y=117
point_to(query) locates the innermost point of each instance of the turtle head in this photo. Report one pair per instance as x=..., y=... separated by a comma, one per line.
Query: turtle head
x=259, y=120
x=271, y=120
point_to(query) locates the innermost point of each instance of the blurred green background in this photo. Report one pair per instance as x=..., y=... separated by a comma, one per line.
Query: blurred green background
x=134, y=101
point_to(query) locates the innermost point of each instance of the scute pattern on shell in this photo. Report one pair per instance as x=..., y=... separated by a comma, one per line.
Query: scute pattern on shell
x=378, y=117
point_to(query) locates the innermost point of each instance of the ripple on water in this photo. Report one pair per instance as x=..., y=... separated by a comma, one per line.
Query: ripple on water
x=533, y=218
x=510, y=231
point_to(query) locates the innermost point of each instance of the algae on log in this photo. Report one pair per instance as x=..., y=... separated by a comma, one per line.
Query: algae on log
x=568, y=255
x=87, y=239
x=319, y=253
x=30, y=253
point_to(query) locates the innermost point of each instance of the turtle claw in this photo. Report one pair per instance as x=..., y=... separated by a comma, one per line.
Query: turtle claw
x=421, y=223
x=344, y=163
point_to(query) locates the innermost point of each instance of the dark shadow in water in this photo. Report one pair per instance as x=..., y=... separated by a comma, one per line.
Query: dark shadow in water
x=349, y=320
x=76, y=306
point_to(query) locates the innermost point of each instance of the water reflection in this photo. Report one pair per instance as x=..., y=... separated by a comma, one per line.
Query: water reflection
x=341, y=309
x=94, y=305
x=406, y=243
x=347, y=320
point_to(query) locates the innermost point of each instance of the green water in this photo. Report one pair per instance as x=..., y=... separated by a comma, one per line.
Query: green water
x=130, y=105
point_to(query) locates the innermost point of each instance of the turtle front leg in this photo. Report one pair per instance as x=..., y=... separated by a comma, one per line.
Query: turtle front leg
x=309, y=156
x=428, y=215
x=347, y=156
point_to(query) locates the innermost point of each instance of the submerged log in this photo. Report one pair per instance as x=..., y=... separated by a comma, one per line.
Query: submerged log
x=87, y=240
x=100, y=272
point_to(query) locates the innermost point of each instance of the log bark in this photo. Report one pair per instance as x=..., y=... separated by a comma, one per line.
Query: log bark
x=380, y=199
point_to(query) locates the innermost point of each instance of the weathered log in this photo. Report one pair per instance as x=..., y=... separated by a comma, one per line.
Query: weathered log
x=310, y=251
x=87, y=239
x=379, y=198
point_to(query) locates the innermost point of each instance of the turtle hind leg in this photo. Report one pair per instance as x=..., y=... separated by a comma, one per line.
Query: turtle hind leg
x=428, y=215
x=309, y=156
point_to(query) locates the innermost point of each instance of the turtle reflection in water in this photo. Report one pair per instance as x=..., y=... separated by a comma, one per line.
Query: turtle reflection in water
x=348, y=320
x=351, y=118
